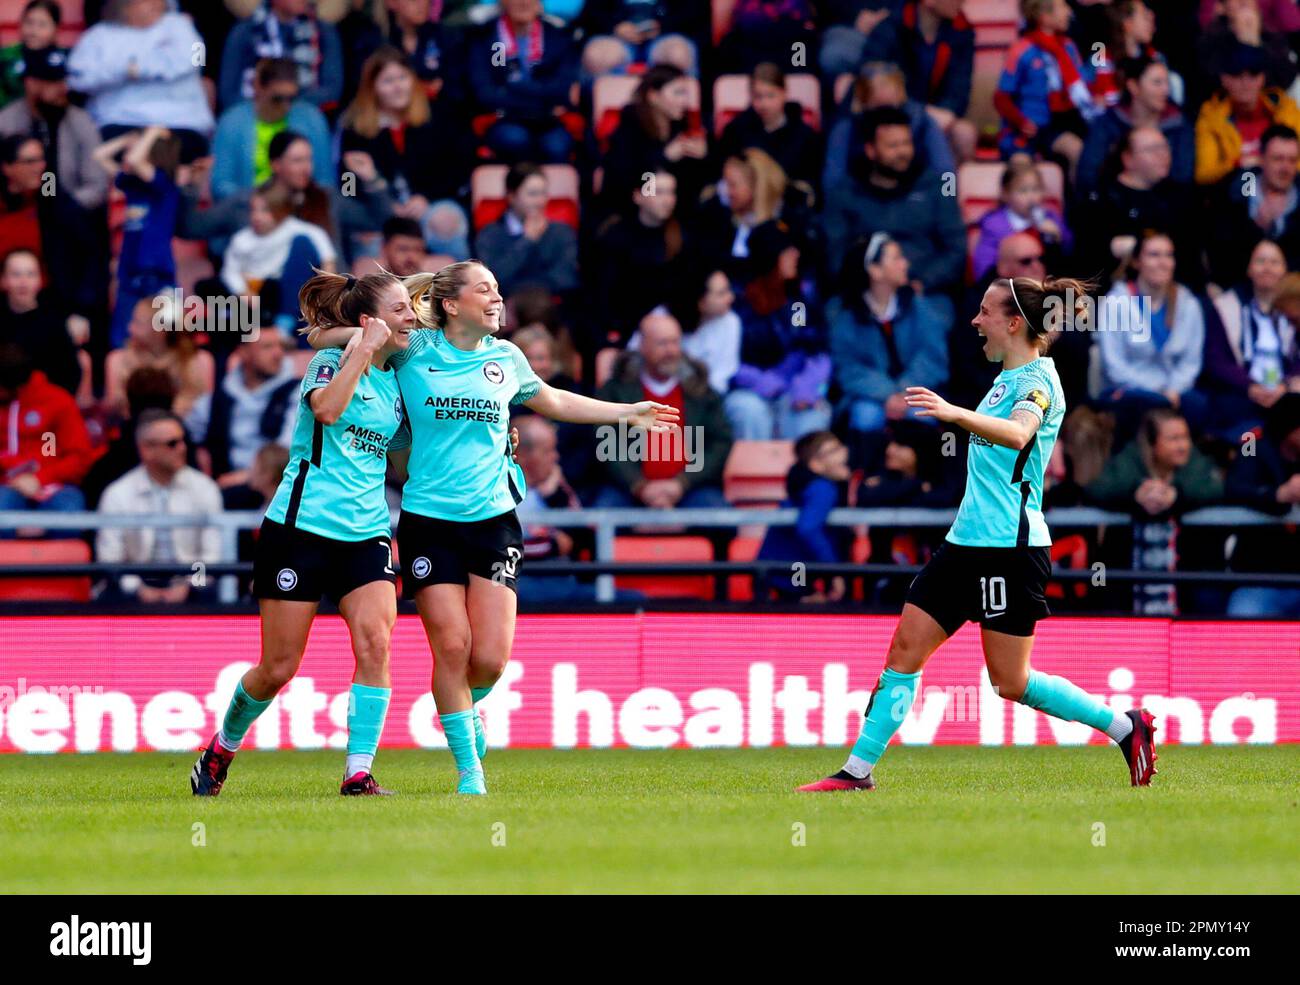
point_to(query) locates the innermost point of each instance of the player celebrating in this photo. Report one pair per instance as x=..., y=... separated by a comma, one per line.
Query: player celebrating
x=460, y=540
x=326, y=531
x=993, y=567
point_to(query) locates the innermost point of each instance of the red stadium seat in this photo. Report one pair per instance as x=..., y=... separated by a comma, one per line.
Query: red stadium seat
x=488, y=194
x=755, y=471
x=666, y=549
x=731, y=97
x=996, y=22
x=739, y=587
x=74, y=21
x=1070, y=553
x=55, y=553
x=984, y=81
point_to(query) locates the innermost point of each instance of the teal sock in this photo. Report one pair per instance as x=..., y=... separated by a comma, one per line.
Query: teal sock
x=459, y=729
x=889, y=705
x=367, y=709
x=240, y=715
x=1059, y=698
x=480, y=737
x=479, y=693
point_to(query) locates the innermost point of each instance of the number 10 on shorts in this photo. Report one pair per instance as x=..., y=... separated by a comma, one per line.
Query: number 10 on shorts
x=993, y=594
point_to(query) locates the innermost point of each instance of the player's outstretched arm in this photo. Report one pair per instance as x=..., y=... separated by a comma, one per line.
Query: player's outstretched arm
x=574, y=408
x=1014, y=432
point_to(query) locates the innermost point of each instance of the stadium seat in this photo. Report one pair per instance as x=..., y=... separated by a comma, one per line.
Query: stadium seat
x=666, y=549
x=984, y=81
x=488, y=194
x=740, y=587
x=74, y=21
x=979, y=187
x=996, y=22
x=755, y=471
x=55, y=553
x=1070, y=553
x=612, y=92
x=731, y=97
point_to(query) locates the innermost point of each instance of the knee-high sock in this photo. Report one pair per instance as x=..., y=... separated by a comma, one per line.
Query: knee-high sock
x=479, y=693
x=367, y=709
x=889, y=705
x=241, y=713
x=458, y=726
x=1059, y=698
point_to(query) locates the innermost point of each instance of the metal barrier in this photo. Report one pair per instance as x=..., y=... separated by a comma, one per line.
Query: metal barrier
x=605, y=523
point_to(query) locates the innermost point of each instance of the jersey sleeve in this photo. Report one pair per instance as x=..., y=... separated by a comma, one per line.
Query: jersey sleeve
x=321, y=370
x=419, y=340
x=529, y=383
x=1035, y=394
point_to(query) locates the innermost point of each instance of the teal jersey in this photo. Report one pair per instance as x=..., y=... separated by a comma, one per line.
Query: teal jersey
x=459, y=407
x=1003, y=504
x=334, y=484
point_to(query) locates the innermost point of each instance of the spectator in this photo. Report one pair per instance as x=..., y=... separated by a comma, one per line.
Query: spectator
x=524, y=248
x=161, y=485
x=1261, y=204
x=258, y=488
x=343, y=217
x=774, y=124
x=627, y=32
x=1276, y=15
x=669, y=474
x=1241, y=24
x=67, y=132
x=147, y=176
x=753, y=193
x=391, y=122
x=780, y=389
x=43, y=418
x=254, y=406
x=706, y=312
x=241, y=158
x=403, y=252
x=1022, y=210
x=527, y=86
x=1151, y=336
x=1231, y=122
x=33, y=324
x=855, y=30
x=884, y=337
x=887, y=192
x=541, y=349
x=1132, y=29
x=155, y=338
x=1144, y=103
x=276, y=248
x=1139, y=197
x=1043, y=94
x=817, y=483
x=149, y=387
x=284, y=29
x=415, y=28
x=53, y=227
x=1268, y=481
x=635, y=256
x=655, y=133
x=37, y=34
x=766, y=31
x=139, y=70
x=1251, y=354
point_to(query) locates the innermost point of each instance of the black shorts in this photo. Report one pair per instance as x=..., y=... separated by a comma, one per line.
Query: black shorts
x=447, y=552
x=1001, y=588
x=299, y=566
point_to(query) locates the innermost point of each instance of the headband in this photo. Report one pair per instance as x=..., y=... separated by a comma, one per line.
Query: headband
x=1012, y=282
x=874, y=246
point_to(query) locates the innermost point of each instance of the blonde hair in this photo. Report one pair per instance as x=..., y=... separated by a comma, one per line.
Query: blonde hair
x=429, y=290
x=767, y=178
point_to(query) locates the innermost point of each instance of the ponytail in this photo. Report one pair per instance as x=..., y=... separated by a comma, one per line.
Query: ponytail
x=331, y=300
x=1047, y=306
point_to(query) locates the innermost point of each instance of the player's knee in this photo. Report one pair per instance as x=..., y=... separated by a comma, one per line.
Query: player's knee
x=1008, y=686
x=276, y=673
x=488, y=667
x=370, y=641
x=453, y=649
x=906, y=653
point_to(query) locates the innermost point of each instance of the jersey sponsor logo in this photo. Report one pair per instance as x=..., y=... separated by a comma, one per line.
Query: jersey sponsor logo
x=1038, y=397
x=998, y=393
x=366, y=440
x=494, y=373
x=421, y=567
x=287, y=579
x=324, y=373
x=481, y=409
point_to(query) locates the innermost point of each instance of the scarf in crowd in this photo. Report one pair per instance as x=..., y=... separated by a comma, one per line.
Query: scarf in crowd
x=533, y=52
x=298, y=40
x=1071, y=91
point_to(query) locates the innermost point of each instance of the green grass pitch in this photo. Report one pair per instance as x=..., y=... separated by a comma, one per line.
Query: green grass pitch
x=943, y=820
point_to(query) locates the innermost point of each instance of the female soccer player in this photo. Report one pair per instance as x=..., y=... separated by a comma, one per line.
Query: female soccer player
x=995, y=563
x=460, y=540
x=326, y=531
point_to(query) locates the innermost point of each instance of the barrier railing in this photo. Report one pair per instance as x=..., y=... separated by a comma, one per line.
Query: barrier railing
x=606, y=522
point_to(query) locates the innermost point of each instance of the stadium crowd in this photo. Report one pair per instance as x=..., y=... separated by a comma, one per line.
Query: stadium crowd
x=773, y=214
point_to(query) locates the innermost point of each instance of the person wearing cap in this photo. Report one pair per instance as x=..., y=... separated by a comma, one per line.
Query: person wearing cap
x=1232, y=121
x=1268, y=480
x=67, y=132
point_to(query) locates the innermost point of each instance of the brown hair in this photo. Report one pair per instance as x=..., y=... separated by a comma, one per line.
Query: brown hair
x=1130, y=269
x=656, y=78
x=330, y=300
x=1149, y=432
x=1031, y=10
x=1020, y=166
x=428, y=291
x=278, y=200
x=1039, y=304
x=363, y=115
x=769, y=72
